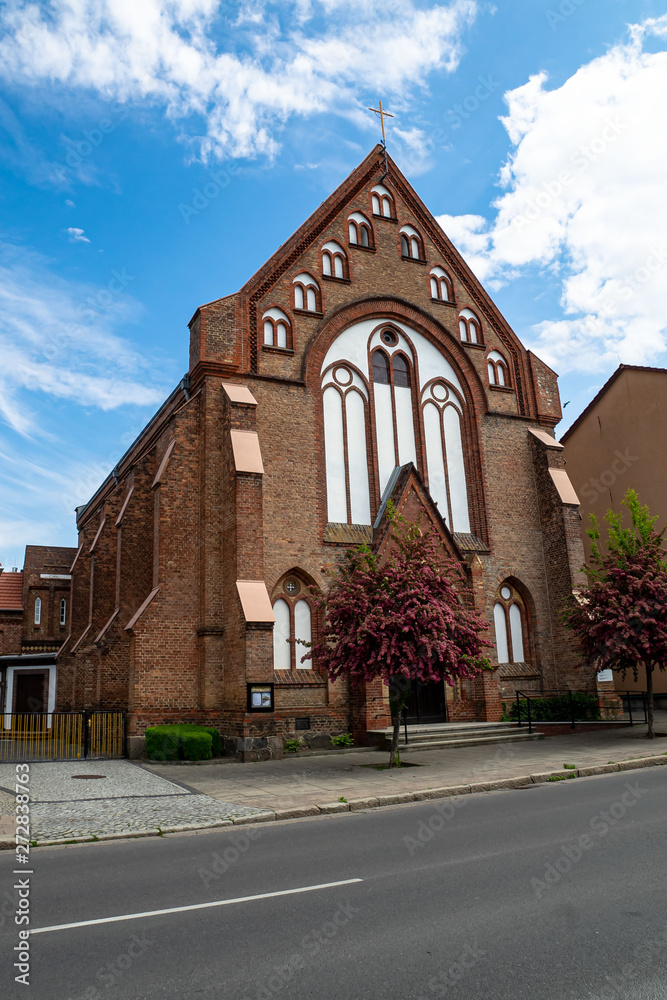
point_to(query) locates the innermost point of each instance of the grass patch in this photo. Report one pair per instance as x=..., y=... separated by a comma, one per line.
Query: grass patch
x=559, y=777
x=570, y=767
x=385, y=767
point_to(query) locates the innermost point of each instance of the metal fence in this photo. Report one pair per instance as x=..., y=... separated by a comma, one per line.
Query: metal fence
x=32, y=736
x=567, y=706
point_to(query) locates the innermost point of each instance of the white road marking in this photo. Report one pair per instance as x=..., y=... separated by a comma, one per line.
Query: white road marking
x=194, y=906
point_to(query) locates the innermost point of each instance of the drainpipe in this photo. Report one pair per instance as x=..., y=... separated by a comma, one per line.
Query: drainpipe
x=185, y=386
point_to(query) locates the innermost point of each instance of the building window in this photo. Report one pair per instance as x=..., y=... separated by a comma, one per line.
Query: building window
x=306, y=293
x=441, y=285
x=497, y=369
x=277, y=329
x=377, y=416
x=470, y=327
x=63, y=611
x=334, y=261
x=509, y=616
x=360, y=231
x=412, y=246
x=38, y=611
x=293, y=628
x=383, y=202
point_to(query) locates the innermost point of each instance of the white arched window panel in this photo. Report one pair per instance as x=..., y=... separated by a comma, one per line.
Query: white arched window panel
x=311, y=299
x=38, y=610
x=339, y=271
x=326, y=263
x=334, y=453
x=302, y=633
x=405, y=425
x=358, y=217
x=384, y=199
x=281, y=636
x=440, y=394
x=433, y=364
x=345, y=378
x=435, y=288
x=437, y=484
x=474, y=333
x=414, y=247
x=360, y=504
x=298, y=297
x=402, y=345
x=501, y=633
x=496, y=356
x=281, y=334
x=458, y=491
x=275, y=313
x=463, y=329
x=376, y=205
x=268, y=332
x=305, y=279
x=409, y=231
x=384, y=431
x=516, y=631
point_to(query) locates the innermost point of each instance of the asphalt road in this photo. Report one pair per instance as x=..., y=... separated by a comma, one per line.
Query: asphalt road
x=556, y=892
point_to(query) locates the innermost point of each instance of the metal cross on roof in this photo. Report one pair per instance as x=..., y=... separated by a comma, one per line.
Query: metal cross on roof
x=382, y=114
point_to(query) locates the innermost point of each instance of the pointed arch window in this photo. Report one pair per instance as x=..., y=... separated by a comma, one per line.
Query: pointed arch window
x=334, y=261
x=510, y=621
x=393, y=408
x=442, y=410
x=293, y=628
x=470, y=327
x=383, y=202
x=360, y=231
x=497, y=369
x=307, y=293
x=412, y=245
x=38, y=611
x=277, y=329
x=441, y=285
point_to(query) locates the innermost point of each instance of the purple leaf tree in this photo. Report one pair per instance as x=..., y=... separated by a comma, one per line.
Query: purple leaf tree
x=620, y=619
x=403, y=617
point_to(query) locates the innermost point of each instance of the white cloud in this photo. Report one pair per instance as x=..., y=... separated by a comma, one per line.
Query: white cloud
x=279, y=59
x=70, y=204
x=58, y=340
x=584, y=201
x=76, y=235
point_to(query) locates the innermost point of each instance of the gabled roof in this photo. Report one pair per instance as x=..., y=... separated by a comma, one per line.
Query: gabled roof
x=605, y=388
x=404, y=480
x=11, y=591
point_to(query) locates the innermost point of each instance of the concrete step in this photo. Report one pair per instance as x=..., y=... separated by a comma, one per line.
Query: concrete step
x=440, y=744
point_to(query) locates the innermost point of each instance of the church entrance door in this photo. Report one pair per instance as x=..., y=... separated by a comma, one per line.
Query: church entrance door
x=427, y=703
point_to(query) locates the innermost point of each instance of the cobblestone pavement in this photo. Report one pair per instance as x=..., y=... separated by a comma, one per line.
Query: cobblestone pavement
x=308, y=781
x=107, y=798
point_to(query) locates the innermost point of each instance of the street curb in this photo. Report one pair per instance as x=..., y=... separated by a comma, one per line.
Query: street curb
x=376, y=802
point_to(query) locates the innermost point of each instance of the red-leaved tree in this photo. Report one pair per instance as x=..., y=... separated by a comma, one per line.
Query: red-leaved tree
x=620, y=619
x=401, y=620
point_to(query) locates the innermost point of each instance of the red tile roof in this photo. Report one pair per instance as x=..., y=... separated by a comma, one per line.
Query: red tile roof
x=11, y=591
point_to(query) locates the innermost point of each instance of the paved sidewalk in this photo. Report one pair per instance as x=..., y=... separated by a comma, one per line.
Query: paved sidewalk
x=316, y=781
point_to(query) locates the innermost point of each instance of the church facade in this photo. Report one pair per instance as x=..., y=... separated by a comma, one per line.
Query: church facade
x=364, y=361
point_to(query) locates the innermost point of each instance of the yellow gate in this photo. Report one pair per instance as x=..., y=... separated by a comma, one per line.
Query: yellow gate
x=61, y=735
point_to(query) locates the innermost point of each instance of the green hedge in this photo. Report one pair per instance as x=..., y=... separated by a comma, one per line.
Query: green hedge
x=182, y=741
x=555, y=709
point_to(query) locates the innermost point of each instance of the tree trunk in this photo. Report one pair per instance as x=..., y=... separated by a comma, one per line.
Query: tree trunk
x=649, y=700
x=395, y=757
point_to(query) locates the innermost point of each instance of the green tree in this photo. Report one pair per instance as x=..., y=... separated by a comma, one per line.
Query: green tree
x=401, y=619
x=620, y=618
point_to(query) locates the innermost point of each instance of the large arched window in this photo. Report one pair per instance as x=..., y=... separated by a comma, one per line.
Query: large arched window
x=391, y=397
x=334, y=260
x=510, y=621
x=277, y=329
x=306, y=293
x=293, y=628
x=382, y=201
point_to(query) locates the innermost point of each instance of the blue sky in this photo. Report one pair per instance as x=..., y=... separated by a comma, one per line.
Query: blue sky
x=534, y=130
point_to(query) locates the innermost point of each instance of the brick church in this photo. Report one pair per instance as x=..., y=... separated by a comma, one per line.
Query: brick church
x=363, y=362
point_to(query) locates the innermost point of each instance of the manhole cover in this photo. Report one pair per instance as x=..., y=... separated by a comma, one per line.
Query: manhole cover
x=87, y=777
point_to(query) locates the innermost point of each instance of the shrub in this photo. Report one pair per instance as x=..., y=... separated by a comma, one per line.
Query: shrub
x=181, y=741
x=196, y=744
x=343, y=740
x=291, y=746
x=556, y=709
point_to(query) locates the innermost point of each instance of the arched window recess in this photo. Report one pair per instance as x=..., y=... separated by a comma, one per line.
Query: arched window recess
x=412, y=245
x=440, y=284
x=470, y=328
x=382, y=202
x=510, y=618
x=307, y=295
x=334, y=262
x=294, y=625
x=277, y=329
x=497, y=370
x=360, y=232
